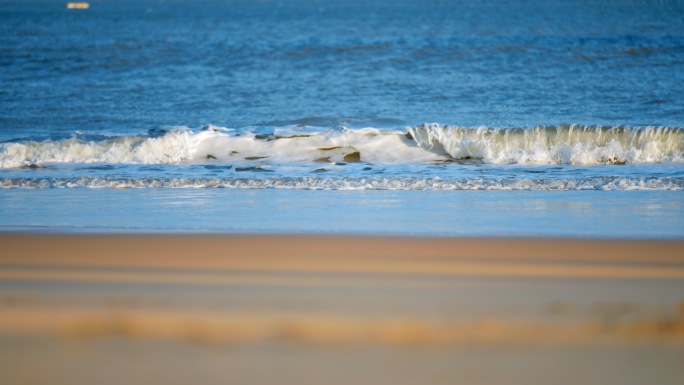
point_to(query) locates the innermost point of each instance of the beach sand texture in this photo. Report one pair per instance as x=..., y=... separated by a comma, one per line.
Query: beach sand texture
x=254, y=309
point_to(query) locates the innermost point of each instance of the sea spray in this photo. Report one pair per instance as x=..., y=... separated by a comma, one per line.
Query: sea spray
x=563, y=144
x=428, y=143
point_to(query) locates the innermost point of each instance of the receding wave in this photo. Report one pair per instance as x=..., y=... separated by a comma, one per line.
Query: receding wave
x=603, y=183
x=428, y=143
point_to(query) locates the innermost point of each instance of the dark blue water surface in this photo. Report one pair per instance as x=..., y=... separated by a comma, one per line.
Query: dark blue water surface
x=282, y=99
x=130, y=66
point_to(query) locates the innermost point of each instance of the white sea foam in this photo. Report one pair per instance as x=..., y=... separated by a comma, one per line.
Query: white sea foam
x=572, y=144
x=569, y=145
x=326, y=146
x=171, y=148
x=356, y=183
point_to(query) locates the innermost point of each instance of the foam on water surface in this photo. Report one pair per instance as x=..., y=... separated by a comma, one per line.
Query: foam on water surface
x=565, y=144
x=429, y=143
x=357, y=183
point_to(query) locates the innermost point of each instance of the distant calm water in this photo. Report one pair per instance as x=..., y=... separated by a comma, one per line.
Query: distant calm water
x=565, y=118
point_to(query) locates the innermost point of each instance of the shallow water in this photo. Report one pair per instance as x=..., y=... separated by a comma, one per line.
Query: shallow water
x=616, y=214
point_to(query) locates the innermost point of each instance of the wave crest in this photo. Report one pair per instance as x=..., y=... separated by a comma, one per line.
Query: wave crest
x=427, y=143
x=564, y=144
x=171, y=148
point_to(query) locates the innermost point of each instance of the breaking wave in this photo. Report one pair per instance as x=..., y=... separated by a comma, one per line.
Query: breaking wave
x=565, y=144
x=428, y=143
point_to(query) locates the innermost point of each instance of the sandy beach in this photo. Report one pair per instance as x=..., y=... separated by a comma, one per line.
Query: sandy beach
x=78, y=309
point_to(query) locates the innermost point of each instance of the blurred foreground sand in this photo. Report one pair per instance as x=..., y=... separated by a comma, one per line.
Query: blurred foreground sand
x=322, y=309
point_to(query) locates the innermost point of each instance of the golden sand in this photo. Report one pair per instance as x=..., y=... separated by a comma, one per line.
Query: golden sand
x=339, y=309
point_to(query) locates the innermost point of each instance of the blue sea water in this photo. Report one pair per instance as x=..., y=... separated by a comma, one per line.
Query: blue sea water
x=514, y=118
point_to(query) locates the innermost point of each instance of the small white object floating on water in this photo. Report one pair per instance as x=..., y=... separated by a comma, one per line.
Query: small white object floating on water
x=78, y=5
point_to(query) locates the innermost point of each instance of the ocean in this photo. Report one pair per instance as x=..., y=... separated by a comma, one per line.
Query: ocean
x=419, y=118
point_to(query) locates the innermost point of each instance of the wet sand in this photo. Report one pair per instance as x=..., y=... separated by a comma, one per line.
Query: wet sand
x=339, y=309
